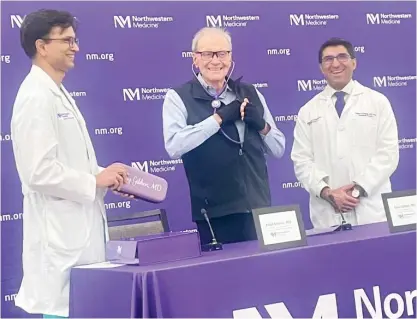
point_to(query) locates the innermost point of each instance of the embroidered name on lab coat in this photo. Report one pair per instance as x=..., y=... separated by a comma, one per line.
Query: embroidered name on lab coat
x=365, y=114
x=65, y=116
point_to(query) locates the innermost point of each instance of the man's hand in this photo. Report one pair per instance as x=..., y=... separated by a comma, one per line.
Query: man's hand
x=340, y=198
x=253, y=118
x=242, y=107
x=113, y=176
x=230, y=112
x=124, y=195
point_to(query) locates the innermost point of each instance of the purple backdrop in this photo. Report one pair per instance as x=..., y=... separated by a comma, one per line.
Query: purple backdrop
x=131, y=52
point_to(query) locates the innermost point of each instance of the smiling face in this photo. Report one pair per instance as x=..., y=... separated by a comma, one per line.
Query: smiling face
x=213, y=57
x=337, y=66
x=58, y=49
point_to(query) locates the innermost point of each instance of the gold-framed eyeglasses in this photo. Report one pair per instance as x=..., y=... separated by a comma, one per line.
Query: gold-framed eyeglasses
x=208, y=55
x=71, y=40
x=342, y=57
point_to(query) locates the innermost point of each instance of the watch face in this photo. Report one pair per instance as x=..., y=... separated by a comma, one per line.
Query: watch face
x=355, y=193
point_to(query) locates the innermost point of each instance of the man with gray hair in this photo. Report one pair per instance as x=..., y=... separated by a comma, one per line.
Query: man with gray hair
x=222, y=129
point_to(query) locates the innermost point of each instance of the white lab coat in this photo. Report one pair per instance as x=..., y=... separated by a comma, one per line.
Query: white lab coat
x=361, y=146
x=64, y=219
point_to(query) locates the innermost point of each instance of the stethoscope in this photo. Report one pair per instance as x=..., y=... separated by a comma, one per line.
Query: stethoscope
x=216, y=103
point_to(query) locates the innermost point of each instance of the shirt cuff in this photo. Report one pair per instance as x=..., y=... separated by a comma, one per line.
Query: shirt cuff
x=210, y=126
x=322, y=184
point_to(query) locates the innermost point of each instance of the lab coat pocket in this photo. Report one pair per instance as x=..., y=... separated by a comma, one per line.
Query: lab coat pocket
x=67, y=122
x=319, y=130
x=66, y=225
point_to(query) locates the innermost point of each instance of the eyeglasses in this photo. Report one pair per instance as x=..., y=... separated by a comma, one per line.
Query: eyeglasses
x=342, y=57
x=71, y=41
x=208, y=55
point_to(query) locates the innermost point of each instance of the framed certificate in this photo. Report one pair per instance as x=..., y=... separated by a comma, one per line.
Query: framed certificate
x=279, y=227
x=400, y=209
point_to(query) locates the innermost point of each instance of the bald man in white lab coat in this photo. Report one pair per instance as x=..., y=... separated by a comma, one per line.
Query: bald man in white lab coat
x=345, y=144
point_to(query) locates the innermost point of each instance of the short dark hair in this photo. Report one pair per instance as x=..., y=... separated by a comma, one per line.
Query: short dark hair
x=39, y=24
x=335, y=42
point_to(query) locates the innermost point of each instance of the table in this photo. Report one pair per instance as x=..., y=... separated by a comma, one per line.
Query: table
x=335, y=276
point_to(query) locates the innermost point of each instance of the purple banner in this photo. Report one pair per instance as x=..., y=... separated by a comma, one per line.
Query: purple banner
x=132, y=52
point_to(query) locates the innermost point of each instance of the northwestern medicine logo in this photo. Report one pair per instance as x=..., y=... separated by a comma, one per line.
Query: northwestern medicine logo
x=221, y=21
x=311, y=85
x=312, y=19
x=376, y=304
x=393, y=81
x=386, y=18
x=160, y=166
x=140, y=22
x=137, y=94
x=16, y=20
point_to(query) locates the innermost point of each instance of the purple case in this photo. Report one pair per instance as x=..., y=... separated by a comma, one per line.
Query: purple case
x=145, y=186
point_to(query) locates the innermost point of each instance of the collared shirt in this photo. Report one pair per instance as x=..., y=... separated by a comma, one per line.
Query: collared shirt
x=348, y=89
x=181, y=138
x=211, y=90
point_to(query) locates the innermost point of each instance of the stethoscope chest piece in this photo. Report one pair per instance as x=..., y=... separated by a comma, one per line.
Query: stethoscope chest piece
x=216, y=104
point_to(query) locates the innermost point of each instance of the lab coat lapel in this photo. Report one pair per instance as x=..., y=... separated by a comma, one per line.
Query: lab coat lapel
x=66, y=101
x=90, y=149
x=69, y=101
x=326, y=101
x=352, y=101
x=43, y=77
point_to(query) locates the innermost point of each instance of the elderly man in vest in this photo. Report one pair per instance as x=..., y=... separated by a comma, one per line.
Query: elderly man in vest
x=222, y=129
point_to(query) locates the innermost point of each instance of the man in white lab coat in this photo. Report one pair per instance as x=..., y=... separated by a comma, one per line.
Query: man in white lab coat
x=345, y=144
x=64, y=220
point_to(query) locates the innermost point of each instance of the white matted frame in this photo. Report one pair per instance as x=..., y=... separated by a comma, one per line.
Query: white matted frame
x=257, y=213
x=385, y=198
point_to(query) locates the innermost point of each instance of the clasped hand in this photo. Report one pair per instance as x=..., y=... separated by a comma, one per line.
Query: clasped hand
x=113, y=177
x=341, y=198
x=245, y=111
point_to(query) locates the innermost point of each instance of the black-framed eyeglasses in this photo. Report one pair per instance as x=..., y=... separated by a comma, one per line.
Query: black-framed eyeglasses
x=342, y=57
x=71, y=41
x=208, y=55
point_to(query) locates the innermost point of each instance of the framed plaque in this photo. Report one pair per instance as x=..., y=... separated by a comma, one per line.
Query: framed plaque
x=400, y=209
x=279, y=227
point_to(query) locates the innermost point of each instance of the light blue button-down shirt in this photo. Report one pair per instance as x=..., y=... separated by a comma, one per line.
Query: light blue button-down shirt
x=181, y=138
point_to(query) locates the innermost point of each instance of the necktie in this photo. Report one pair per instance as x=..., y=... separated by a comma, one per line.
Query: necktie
x=340, y=102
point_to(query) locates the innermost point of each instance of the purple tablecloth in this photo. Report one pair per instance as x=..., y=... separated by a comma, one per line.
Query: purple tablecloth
x=335, y=266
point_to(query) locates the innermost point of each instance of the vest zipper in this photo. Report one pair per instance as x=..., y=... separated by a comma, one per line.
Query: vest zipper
x=249, y=209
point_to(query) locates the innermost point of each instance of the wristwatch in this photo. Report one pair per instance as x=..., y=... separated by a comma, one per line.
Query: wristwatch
x=356, y=193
